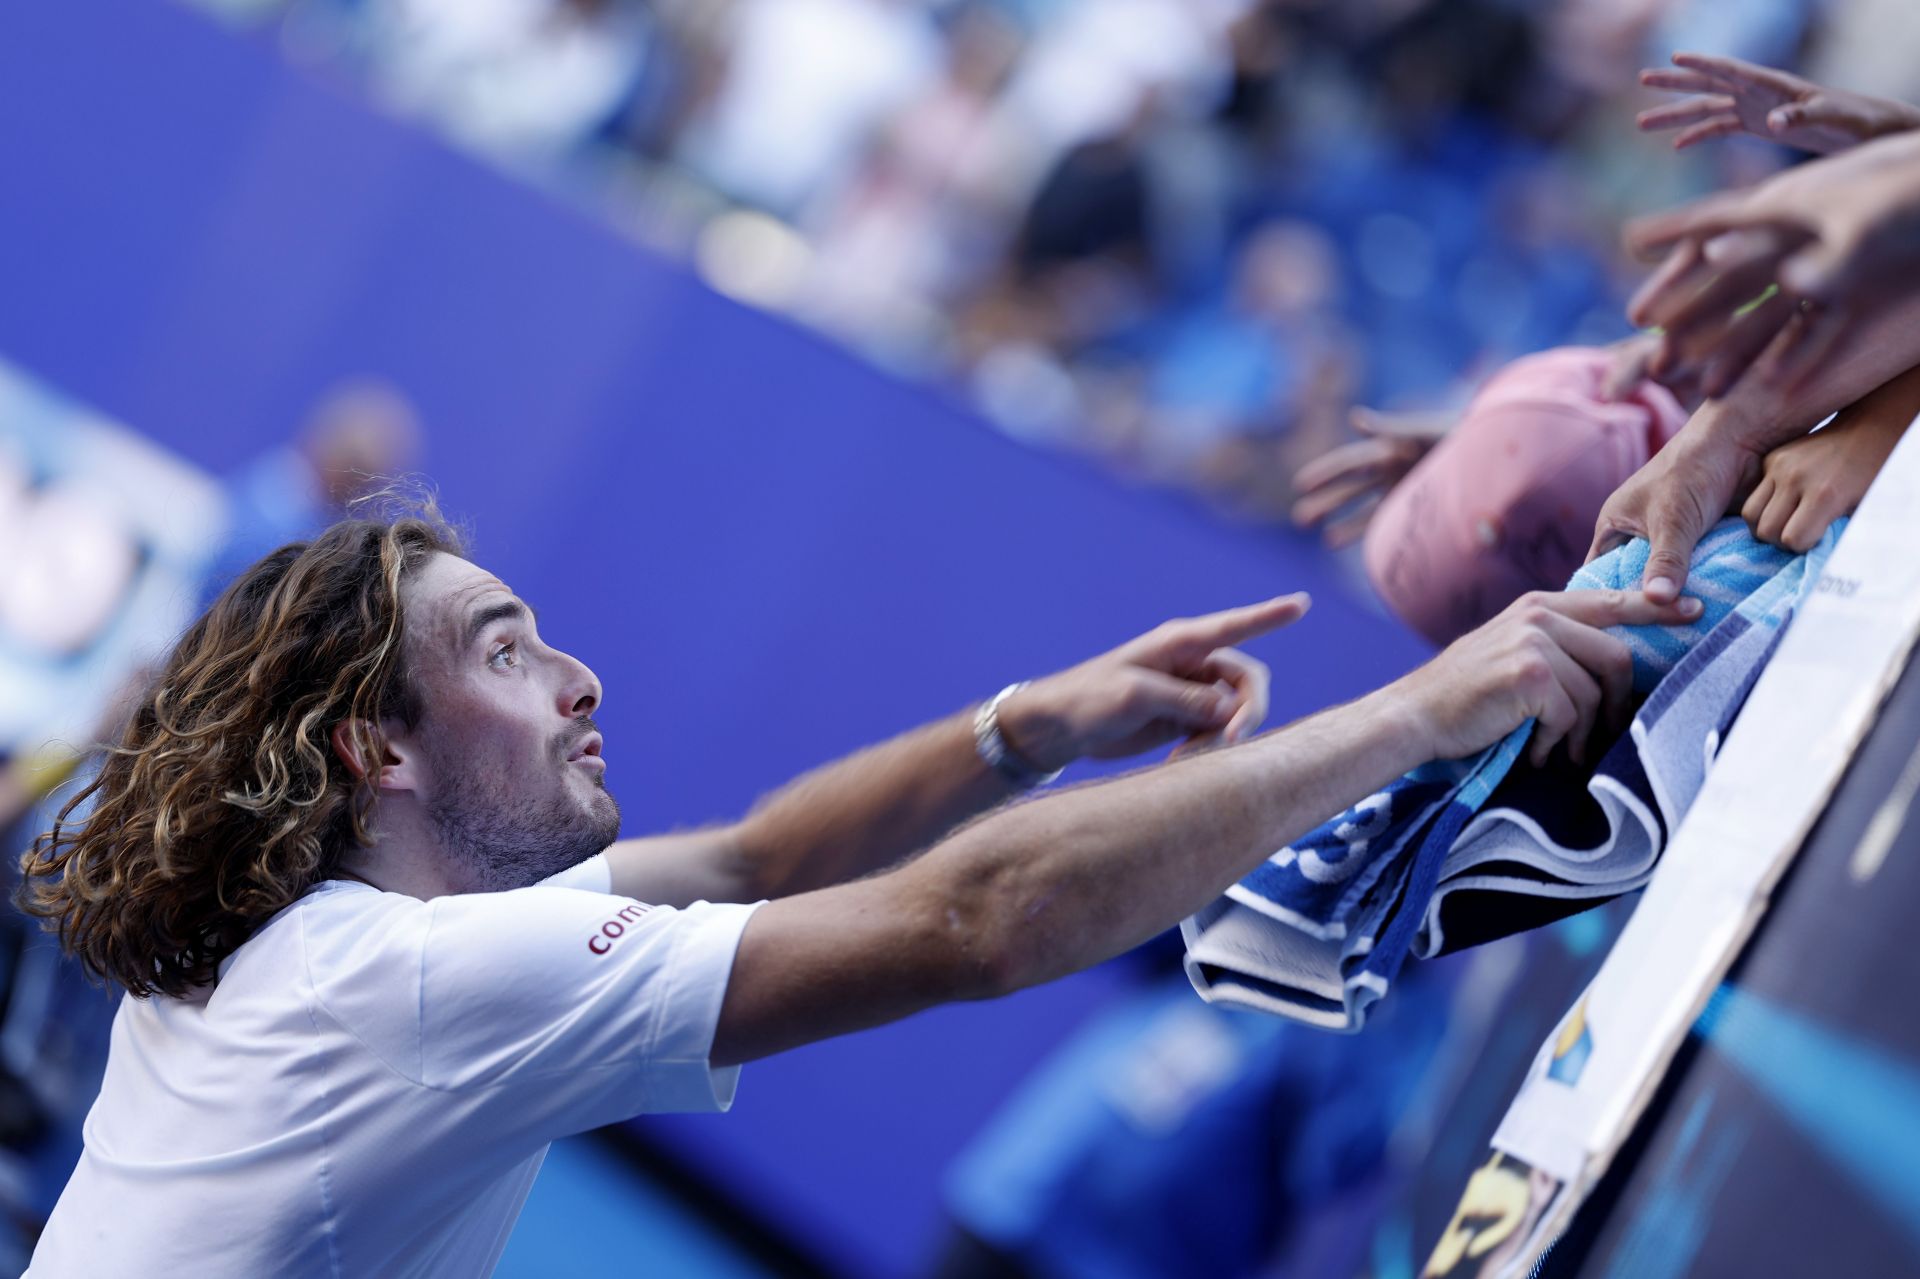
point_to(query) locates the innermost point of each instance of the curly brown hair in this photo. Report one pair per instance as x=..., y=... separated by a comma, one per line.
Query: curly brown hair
x=224, y=800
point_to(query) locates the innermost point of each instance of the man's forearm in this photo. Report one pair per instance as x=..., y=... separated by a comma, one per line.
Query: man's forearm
x=1047, y=888
x=1896, y=403
x=868, y=811
x=1759, y=417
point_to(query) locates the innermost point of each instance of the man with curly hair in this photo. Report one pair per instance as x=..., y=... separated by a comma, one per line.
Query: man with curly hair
x=355, y=865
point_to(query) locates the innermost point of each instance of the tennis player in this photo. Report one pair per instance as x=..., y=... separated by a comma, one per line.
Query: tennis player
x=355, y=865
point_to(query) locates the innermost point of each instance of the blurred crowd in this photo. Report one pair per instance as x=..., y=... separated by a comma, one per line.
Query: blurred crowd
x=1185, y=236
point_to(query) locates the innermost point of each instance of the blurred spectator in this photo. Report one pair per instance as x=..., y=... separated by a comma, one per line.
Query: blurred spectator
x=806, y=82
x=518, y=77
x=1247, y=381
x=361, y=433
x=925, y=206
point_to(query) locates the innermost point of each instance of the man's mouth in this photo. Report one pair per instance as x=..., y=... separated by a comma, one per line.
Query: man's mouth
x=588, y=752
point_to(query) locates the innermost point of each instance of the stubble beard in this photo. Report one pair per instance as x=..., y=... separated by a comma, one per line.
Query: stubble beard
x=502, y=843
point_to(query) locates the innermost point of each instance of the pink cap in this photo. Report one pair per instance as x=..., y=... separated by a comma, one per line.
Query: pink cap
x=1506, y=503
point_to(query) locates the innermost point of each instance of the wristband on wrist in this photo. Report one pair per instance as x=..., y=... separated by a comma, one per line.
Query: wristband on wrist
x=993, y=749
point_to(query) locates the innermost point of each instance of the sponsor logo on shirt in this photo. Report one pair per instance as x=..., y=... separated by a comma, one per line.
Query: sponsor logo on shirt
x=610, y=932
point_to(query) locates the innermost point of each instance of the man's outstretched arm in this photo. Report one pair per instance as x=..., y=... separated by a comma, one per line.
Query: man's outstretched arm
x=1039, y=890
x=1184, y=680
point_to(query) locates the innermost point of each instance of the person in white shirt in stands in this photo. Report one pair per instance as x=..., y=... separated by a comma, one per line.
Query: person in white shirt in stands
x=354, y=863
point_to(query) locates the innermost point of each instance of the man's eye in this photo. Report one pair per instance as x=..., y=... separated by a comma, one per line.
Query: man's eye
x=504, y=656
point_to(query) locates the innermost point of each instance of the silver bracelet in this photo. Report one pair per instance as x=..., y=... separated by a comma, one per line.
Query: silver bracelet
x=992, y=746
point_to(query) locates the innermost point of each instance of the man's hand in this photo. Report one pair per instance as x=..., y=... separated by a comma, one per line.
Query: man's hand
x=1181, y=680
x=1808, y=483
x=1673, y=500
x=1339, y=491
x=1840, y=237
x=1547, y=658
x=1731, y=96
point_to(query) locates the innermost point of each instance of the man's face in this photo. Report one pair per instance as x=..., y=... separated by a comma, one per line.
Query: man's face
x=511, y=772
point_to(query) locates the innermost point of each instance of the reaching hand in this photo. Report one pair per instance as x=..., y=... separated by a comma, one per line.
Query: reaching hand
x=1673, y=500
x=1808, y=483
x=1840, y=237
x=1731, y=96
x=1357, y=476
x=1547, y=658
x=1182, y=680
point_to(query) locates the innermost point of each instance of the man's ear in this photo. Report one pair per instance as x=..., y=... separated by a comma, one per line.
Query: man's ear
x=368, y=748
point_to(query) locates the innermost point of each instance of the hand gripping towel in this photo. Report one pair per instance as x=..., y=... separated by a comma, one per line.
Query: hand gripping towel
x=1462, y=851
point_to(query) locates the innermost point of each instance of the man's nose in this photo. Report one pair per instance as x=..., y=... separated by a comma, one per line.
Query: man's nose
x=580, y=692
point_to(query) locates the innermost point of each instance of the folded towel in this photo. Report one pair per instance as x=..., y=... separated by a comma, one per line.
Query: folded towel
x=1462, y=851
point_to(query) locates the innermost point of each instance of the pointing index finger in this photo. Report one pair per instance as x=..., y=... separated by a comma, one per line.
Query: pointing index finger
x=1233, y=626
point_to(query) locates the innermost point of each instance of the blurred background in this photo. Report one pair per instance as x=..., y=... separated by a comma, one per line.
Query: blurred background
x=817, y=367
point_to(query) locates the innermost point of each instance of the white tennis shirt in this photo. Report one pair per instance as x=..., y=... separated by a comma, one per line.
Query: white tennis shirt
x=371, y=1085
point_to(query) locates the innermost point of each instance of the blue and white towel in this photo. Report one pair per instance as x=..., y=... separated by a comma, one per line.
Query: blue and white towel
x=1462, y=851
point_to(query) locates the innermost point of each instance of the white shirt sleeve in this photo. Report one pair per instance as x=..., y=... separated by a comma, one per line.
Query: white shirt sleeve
x=558, y=1010
x=594, y=875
